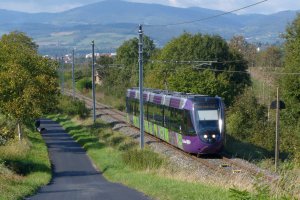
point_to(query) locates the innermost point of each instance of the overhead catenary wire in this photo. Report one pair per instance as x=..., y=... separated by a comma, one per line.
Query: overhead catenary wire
x=206, y=18
x=195, y=61
x=245, y=72
x=201, y=63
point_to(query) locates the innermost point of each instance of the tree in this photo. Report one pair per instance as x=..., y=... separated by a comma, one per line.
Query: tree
x=239, y=43
x=125, y=74
x=289, y=86
x=247, y=121
x=175, y=68
x=271, y=58
x=28, y=82
x=127, y=55
x=104, y=64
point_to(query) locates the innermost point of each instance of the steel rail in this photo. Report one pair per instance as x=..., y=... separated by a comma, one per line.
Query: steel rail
x=221, y=168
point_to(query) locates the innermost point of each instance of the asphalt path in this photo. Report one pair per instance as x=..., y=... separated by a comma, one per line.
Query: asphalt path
x=74, y=176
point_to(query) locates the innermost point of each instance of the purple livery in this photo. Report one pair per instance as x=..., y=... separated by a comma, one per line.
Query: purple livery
x=193, y=123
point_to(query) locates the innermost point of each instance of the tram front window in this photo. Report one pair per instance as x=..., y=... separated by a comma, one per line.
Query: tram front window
x=208, y=115
x=208, y=125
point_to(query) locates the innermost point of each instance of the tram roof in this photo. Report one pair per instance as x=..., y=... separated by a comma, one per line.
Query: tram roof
x=169, y=93
x=164, y=97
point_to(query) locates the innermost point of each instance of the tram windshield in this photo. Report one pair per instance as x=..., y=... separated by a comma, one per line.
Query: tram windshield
x=208, y=115
x=207, y=121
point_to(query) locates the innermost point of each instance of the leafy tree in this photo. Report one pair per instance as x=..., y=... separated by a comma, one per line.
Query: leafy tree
x=208, y=76
x=28, y=83
x=104, y=64
x=290, y=88
x=126, y=74
x=271, y=58
x=7, y=130
x=247, y=121
x=127, y=55
x=105, y=61
x=239, y=43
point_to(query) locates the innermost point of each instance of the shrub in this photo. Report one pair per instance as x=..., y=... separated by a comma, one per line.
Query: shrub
x=7, y=130
x=78, y=75
x=142, y=159
x=247, y=121
x=84, y=84
x=72, y=107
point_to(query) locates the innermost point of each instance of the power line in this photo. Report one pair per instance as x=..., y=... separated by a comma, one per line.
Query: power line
x=195, y=61
x=246, y=72
x=220, y=70
x=210, y=17
x=286, y=73
x=109, y=65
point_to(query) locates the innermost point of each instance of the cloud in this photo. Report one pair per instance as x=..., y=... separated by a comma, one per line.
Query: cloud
x=173, y=3
x=33, y=6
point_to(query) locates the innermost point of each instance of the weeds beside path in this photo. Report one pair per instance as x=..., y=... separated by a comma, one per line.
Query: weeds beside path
x=109, y=151
x=24, y=166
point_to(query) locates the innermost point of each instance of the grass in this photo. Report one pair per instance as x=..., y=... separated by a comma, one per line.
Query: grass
x=119, y=159
x=283, y=189
x=24, y=167
x=111, y=100
x=246, y=150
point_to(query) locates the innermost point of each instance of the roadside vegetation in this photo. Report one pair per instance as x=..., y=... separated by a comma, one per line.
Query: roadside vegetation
x=28, y=89
x=24, y=166
x=120, y=160
x=250, y=122
x=196, y=63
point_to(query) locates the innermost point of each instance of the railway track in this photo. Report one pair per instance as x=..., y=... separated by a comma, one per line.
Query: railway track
x=221, y=164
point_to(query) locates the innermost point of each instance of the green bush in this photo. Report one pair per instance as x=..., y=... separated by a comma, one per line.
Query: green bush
x=84, y=84
x=78, y=75
x=72, y=107
x=247, y=122
x=142, y=159
x=7, y=130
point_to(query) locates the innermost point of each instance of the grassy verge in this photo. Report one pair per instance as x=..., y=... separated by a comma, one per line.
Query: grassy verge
x=107, y=98
x=119, y=159
x=24, y=167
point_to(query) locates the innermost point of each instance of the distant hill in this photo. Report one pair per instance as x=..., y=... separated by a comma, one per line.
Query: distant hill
x=109, y=23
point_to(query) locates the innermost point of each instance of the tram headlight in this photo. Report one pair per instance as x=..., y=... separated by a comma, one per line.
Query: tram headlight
x=213, y=136
x=205, y=136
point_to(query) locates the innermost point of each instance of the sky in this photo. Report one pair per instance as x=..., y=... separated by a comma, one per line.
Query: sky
x=268, y=7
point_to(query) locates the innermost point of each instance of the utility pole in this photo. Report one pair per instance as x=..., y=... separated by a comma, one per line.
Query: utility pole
x=278, y=105
x=141, y=86
x=62, y=75
x=277, y=132
x=93, y=81
x=73, y=73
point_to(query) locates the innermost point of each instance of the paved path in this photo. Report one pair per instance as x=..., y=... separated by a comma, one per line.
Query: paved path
x=74, y=176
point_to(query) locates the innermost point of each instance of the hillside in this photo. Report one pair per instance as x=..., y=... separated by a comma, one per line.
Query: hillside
x=109, y=23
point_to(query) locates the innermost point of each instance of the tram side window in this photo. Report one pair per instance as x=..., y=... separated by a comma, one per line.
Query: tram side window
x=129, y=106
x=136, y=107
x=146, y=110
x=188, y=125
x=176, y=120
x=159, y=114
x=167, y=117
x=150, y=113
x=155, y=113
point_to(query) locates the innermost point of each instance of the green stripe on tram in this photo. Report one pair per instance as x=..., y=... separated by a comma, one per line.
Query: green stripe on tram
x=146, y=126
x=155, y=129
x=166, y=134
x=179, y=141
